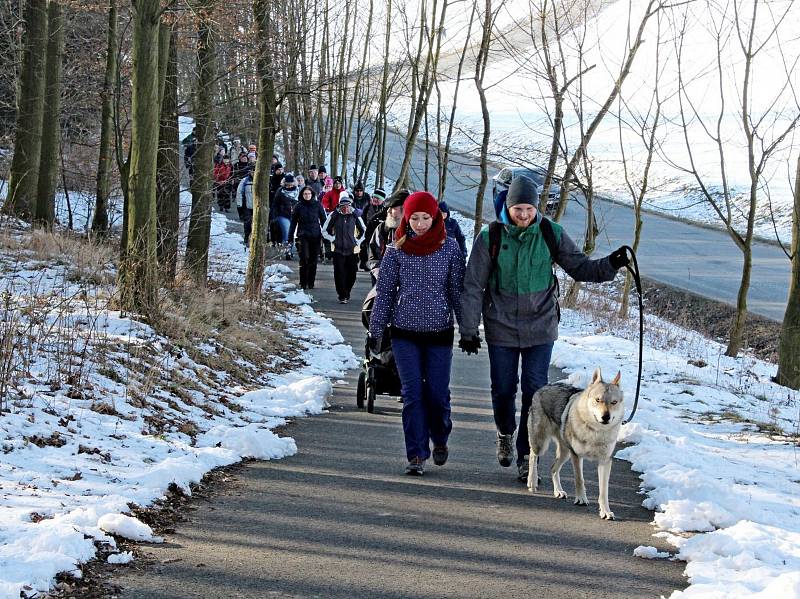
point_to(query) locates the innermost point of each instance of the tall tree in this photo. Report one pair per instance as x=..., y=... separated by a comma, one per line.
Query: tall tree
x=51, y=119
x=789, y=346
x=574, y=162
x=138, y=273
x=24, y=176
x=433, y=44
x=196, y=261
x=103, y=187
x=766, y=118
x=168, y=164
x=267, y=105
x=489, y=15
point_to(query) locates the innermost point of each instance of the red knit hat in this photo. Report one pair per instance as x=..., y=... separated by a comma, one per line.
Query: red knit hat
x=420, y=201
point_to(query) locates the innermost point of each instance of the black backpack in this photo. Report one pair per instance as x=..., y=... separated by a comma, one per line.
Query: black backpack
x=495, y=239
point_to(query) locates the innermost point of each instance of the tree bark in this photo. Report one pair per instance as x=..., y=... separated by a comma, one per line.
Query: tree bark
x=51, y=120
x=24, y=175
x=267, y=101
x=480, y=71
x=196, y=261
x=789, y=346
x=103, y=188
x=138, y=273
x=168, y=165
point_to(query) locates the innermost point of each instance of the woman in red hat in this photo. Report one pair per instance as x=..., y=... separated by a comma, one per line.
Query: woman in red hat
x=419, y=289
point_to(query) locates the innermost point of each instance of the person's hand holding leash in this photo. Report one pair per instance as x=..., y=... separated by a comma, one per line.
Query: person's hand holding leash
x=470, y=344
x=619, y=258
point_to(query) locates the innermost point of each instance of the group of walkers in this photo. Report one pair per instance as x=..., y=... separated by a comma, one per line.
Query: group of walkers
x=424, y=287
x=416, y=256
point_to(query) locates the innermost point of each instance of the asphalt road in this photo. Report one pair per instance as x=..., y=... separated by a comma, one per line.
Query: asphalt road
x=697, y=259
x=341, y=520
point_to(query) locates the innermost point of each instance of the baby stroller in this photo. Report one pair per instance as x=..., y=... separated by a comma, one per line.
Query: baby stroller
x=379, y=374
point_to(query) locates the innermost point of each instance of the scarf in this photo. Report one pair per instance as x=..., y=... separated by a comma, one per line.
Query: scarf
x=427, y=243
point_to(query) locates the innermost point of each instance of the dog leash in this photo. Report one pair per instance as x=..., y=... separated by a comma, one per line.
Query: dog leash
x=638, y=281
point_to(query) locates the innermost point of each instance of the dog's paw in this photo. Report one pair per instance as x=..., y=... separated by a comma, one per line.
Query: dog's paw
x=532, y=488
x=607, y=515
x=581, y=500
x=559, y=494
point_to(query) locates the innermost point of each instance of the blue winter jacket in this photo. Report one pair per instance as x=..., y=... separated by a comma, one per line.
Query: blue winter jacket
x=419, y=293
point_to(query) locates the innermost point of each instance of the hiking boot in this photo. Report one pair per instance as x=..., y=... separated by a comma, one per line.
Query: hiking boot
x=416, y=467
x=440, y=454
x=522, y=469
x=505, y=449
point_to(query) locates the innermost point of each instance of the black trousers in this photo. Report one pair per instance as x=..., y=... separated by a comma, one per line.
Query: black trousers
x=345, y=268
x=308, y=251
x=246, y=216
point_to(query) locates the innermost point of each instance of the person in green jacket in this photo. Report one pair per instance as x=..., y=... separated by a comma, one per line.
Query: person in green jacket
x=516, y=294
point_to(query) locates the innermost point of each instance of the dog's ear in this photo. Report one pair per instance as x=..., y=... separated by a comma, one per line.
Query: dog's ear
x=616, y=378
x=597, y=377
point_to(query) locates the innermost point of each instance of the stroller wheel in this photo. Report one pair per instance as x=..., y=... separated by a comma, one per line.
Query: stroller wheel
x=361, y=389
x=370, y=393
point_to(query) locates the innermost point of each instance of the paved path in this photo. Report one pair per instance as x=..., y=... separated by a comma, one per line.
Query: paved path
x=341, y=520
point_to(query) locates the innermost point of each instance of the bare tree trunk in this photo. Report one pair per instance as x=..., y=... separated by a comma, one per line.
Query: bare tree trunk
x=445, y=153
x=168, y=178
x=434, y=44
x=138, y=273
x=480, y=72
x=268, y=103
x=789, y=346
x=24, y=175
x=199, y=237
x=103, y=189
x=380, y=123
x=652, y=7
x=51, y=121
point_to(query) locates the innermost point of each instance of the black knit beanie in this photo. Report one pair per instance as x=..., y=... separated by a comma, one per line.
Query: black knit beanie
x=522, y=191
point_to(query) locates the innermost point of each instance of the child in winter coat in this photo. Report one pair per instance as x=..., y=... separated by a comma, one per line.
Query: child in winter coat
x=345, y=231
x=419, y=290
x=331, y=198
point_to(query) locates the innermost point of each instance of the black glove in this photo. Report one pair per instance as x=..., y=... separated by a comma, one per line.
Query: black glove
x=619, y=258
x=470, y=345
x=374, y=344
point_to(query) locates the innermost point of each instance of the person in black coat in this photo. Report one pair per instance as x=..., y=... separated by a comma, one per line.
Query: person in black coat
x=453, y=228
x=308, y=217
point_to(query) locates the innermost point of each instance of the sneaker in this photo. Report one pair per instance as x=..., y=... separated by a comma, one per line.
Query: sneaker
x=505, y=449
x=342, y=300
x=416, y=467
x=346, y=300
x=440, y=455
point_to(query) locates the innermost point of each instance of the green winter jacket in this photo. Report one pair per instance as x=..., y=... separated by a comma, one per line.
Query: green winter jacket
x=518, y=300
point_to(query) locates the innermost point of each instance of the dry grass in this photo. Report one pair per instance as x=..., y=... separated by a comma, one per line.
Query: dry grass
x=239, y=331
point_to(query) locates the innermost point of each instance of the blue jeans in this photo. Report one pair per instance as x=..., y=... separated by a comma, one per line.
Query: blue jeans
x=425, y=379
x=504, y=373
x=283, y=224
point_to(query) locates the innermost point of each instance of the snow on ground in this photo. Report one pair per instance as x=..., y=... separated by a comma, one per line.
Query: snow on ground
x=711, y=439
x=724, y=490
x=79, y=451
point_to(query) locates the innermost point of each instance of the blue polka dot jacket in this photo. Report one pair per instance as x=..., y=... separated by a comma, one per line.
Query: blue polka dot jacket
x=419, y=293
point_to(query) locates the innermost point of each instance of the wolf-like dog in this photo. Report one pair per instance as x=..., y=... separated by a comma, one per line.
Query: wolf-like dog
x=584, y=424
